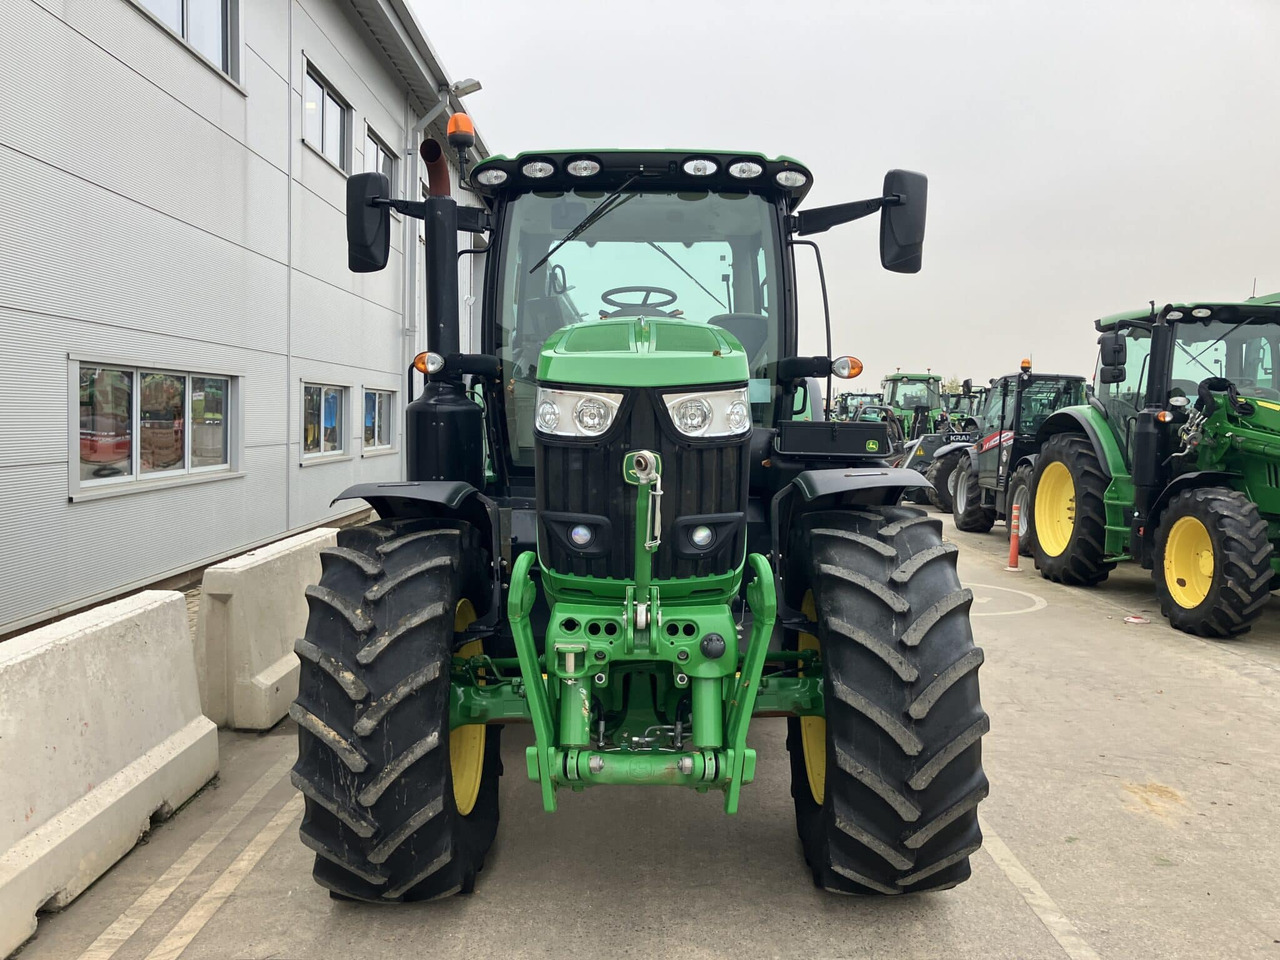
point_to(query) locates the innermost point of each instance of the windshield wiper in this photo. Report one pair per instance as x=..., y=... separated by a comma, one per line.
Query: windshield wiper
x=1196, y=357
x=681, y=268
x=607, y=206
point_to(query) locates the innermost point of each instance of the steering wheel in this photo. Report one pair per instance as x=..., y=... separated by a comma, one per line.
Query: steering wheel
x=644, y=307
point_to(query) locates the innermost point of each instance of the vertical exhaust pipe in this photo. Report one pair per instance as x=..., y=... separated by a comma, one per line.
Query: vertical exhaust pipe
x=441, y=228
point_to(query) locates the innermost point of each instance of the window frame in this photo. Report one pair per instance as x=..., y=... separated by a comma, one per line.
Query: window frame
x=377, y=449
x=233, y=37
x=344, y=452
x=371, y=137
x=346, y=136
x=135, y=480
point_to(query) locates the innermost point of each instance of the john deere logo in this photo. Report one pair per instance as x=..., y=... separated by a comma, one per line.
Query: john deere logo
x=873, y=446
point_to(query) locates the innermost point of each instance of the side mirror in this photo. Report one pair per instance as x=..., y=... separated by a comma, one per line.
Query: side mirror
x=1111, y=374
x=1114, y=350
x=966, y=388
x=368, y=226
x=902, y=224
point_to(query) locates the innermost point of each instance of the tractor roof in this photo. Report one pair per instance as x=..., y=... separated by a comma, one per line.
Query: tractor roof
x=661, y=169
x=921, y=377
x=1266, y=307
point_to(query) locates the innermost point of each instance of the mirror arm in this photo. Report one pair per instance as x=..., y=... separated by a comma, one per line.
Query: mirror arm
x=470, y=219
x=821, y=219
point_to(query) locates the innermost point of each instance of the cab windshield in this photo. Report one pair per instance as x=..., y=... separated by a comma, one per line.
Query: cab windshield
x=1243, y=353
x=909, y=394
x=704, y=256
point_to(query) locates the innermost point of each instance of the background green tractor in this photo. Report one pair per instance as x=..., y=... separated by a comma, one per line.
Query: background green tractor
x=916, y=398
x=963, y=407
x=847, y=405
x=1174, y=463
x=618, y=528
x=983, y=479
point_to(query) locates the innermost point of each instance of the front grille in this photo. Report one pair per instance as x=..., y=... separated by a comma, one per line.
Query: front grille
x=698, y=477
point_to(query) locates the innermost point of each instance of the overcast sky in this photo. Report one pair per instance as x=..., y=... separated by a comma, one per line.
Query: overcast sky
x=1083, y=157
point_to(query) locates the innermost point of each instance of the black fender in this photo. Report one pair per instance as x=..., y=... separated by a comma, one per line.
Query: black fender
x=1027, y=459
x=946, y=448
x=442, y=499
x=1187, y=481
x=823, y=489
x=1072, y=420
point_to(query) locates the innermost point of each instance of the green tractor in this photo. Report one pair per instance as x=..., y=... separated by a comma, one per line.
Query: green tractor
x=962, y=409
x=1174, y=462
x=916, y=399
x=848, y=405
x=617, y=529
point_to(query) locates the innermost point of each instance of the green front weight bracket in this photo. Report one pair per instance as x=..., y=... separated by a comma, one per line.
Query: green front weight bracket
x=763, y=600
x=541, y=755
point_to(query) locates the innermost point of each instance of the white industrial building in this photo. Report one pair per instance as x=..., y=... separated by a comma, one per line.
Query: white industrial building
x=187, y=367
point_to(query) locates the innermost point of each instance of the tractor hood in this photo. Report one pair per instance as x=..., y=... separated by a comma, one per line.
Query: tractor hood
x=1265, y=416
x=642, y=352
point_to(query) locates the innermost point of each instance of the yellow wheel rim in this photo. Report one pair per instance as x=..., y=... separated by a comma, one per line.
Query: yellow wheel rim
x=813, y=730
x=1188, y=562
x=1055, y=508
x=466, y=744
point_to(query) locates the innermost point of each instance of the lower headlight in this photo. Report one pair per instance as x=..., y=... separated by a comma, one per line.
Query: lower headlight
x=715, y=413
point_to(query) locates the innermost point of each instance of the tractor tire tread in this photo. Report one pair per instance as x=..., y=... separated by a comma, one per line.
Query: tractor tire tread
x=903, y=774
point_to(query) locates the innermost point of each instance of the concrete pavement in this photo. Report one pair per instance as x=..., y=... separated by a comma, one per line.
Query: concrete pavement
x=1132, y=814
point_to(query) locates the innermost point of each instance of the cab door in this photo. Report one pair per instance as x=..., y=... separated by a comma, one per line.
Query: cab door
x=995, y=432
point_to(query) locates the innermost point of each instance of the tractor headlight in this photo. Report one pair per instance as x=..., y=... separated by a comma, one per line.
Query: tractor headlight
x=718, y=413
x=575, y=413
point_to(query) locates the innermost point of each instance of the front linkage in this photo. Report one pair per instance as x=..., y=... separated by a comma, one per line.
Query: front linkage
x=592, y=646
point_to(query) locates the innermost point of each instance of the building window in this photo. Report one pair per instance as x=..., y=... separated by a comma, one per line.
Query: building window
x=140, y=424
x=323, y=407
x=378, y=157
x=209, y=26
x=378, y=407
x=326, y=119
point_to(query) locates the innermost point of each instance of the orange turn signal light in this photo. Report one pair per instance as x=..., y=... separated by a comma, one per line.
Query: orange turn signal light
x=420, y=363
x=846, y=368
x=1164, y=416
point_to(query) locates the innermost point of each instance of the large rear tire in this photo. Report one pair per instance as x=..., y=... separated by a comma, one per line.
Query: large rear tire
x=942, y=475
x=1069, y=512
x=1213, y=562
x=967, y=508
x=887, y=785
x=398, y=807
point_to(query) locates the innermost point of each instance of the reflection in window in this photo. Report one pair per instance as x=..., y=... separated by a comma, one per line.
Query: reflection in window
x=377, y=418
x=161, y=442
x=322, y=415
x=106, y=423
x=209, y=445
x=182, y=423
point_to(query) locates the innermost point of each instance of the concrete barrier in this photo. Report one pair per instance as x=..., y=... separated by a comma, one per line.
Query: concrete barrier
x=100, y=730
x=252, y=609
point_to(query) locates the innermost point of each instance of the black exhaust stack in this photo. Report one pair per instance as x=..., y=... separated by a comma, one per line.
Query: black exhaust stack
x=444, y=429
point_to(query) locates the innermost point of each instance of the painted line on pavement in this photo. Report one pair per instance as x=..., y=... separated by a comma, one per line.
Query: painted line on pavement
x=154, y=897
x=1054, y=920
x=1037, y=602
x=194, y=920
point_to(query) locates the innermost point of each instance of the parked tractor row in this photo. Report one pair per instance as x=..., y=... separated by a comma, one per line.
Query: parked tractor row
x=1170, y=459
